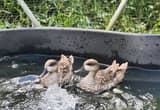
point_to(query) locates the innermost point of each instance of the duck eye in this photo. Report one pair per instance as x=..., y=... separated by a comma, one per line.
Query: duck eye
x=52, y=64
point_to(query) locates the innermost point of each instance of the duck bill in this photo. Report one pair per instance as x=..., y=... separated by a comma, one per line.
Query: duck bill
x=43, y=73
x=79, y=70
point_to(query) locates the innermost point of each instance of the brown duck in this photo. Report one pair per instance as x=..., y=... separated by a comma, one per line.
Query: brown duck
x=65, y=69
x=99, y=80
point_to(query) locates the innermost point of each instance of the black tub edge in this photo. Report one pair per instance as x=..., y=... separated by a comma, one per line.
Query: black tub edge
x=137, y=49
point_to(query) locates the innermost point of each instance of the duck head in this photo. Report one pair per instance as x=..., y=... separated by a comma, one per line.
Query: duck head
x=91, y=65
x=50, y=66
x=65, y=69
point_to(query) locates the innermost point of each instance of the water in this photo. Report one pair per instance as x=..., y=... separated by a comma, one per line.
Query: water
x=139, y=91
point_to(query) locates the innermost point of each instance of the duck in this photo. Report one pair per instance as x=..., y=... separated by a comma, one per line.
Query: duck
x=99, y=80
x=65, y=69
x=49, y=75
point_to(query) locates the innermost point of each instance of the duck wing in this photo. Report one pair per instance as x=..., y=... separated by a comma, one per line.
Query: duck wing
x=111, y=76
x=104, y=77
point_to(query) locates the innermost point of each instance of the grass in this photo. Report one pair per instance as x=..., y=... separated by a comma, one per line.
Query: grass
x=140, y=16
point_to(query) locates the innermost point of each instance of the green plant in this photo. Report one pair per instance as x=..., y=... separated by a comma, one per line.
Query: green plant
x=140, y=16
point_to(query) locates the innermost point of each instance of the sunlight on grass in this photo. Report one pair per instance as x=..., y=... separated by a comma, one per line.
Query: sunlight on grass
x=138, y=16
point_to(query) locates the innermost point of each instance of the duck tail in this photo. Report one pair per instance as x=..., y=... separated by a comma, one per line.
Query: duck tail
x=121, y=71
x=114, y=62
x=112, y=68
x=123, y=66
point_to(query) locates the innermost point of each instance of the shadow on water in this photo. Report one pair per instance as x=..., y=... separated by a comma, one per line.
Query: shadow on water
x=139, y=91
